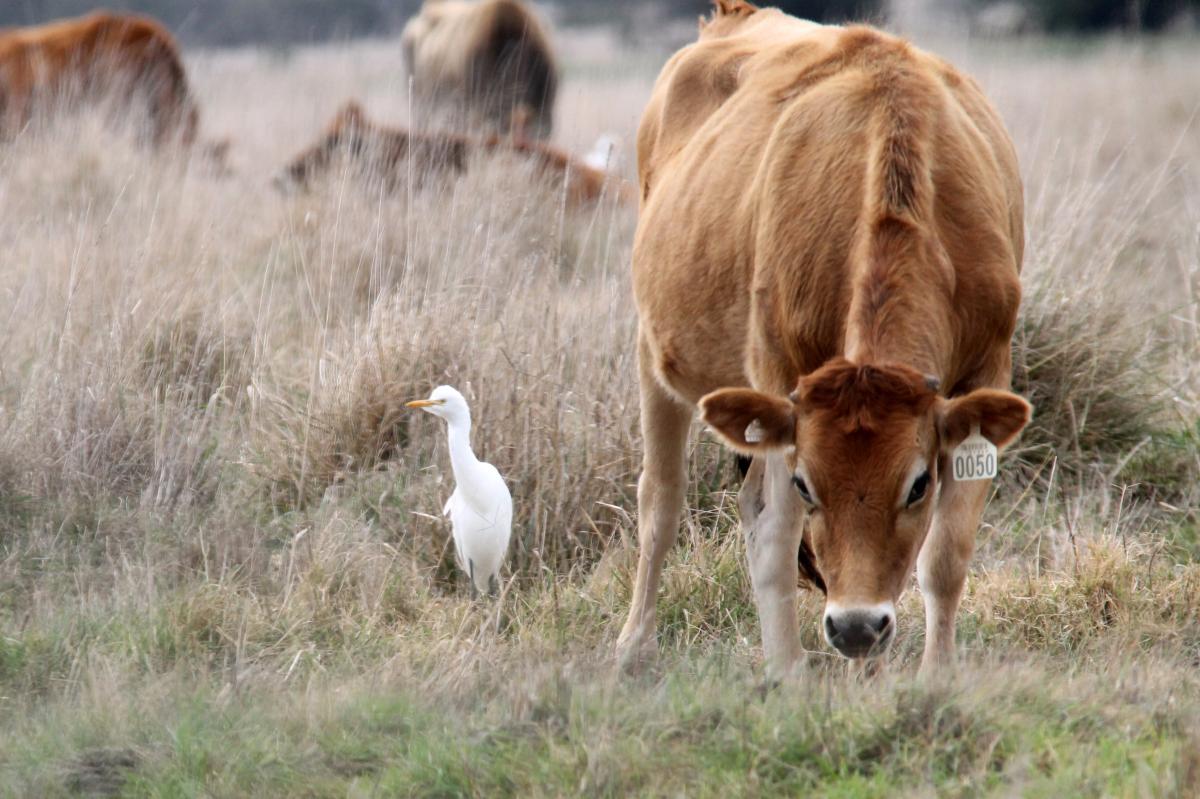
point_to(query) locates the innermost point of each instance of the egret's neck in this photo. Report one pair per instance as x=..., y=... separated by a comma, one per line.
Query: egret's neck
x=464, y=463
x=459, y=433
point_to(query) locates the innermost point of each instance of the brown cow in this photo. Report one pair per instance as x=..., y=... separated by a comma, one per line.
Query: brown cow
x=129, y=60
x=830, y=229
x=488, y=59
x=390, y=153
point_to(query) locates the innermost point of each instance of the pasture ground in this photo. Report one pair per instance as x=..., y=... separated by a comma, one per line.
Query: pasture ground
x=221, y=567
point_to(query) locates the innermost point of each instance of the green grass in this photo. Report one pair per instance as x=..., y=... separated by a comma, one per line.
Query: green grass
x=700, y=727
x=222, y=566
x=1082, y=682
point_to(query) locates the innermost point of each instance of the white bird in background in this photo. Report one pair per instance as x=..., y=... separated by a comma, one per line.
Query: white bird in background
x=605, y=155
x=480, y=509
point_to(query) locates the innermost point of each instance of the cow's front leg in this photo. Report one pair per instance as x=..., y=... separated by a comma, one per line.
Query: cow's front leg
x=942, y=565
x=771, y=523
x=661, y=491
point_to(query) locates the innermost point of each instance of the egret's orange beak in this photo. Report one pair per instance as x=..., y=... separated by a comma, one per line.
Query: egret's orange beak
x=424, y=403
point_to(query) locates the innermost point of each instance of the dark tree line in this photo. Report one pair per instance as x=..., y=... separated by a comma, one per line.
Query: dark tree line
x=230, y=22
x=1066, y=16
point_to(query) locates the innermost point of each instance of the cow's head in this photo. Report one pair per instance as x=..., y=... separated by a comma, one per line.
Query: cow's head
x=346, y=132
x=863, y=444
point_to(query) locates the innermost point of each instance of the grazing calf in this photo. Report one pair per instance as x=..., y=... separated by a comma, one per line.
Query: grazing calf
x=488, y=59
x=827, y=263
x=130, y=61
x=390, y=152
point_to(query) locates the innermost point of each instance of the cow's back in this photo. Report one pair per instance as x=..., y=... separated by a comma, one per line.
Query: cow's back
x=74, y=42
x=754, y=165
x=97, y=55
x=491, y=55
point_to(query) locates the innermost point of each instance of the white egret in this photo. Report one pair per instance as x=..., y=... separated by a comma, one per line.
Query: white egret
x=480, y=509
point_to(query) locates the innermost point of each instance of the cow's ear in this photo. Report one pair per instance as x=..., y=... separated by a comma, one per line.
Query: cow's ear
x=729, y=8
x=999, y=415
x=750, y=421
x=351, y=114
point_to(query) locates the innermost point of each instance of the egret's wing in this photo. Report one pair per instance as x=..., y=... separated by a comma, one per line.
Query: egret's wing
x=498, y=517
x=454, y=512
x=501, y=505
x=480, y=513
x=497, y=488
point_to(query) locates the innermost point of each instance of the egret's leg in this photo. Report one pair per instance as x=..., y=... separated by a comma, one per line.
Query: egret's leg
x=665, y=423
x=471, y=576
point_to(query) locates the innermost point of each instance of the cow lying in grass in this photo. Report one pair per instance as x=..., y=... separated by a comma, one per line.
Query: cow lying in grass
x=129, y=61
x=394, y=153
x=826, y=263
x=488, y=60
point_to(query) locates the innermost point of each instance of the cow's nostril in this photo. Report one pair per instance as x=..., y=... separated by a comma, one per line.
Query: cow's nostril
x=882, y=624
x=830, y=629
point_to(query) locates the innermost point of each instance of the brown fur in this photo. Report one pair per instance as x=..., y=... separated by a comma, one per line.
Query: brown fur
x=860, y=397
x=389, y=149
x=833, y=212
x=491, y=59
x=131, y=60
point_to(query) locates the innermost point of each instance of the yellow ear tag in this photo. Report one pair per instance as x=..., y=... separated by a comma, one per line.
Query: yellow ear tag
x=975, y=458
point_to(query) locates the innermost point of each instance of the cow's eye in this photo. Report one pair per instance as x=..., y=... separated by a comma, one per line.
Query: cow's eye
x=802, y=487
x=917, y=492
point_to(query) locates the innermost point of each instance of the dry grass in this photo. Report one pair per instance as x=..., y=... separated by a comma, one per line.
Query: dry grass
x=221, y=570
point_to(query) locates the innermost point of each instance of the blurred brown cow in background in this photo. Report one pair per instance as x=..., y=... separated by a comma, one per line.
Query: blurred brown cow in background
x=489, y=61
x=393, y=153
x=129, y=61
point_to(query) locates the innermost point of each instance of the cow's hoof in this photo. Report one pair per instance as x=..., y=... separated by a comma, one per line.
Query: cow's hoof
x=767, y=686
x=936, y=670
x=635, y=655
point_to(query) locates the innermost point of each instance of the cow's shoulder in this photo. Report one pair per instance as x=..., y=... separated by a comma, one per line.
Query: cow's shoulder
x=741, y=48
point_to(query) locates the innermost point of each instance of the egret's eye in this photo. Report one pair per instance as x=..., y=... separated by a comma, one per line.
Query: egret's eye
x=917, y=492
x=802, y=487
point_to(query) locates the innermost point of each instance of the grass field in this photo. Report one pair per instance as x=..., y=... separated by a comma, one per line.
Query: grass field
x=221, y=567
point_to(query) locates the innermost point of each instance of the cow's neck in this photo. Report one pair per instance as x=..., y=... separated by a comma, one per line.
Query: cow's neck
x=901, y=305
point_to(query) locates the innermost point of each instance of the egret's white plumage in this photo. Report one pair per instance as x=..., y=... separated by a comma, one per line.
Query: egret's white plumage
x=480, y=509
